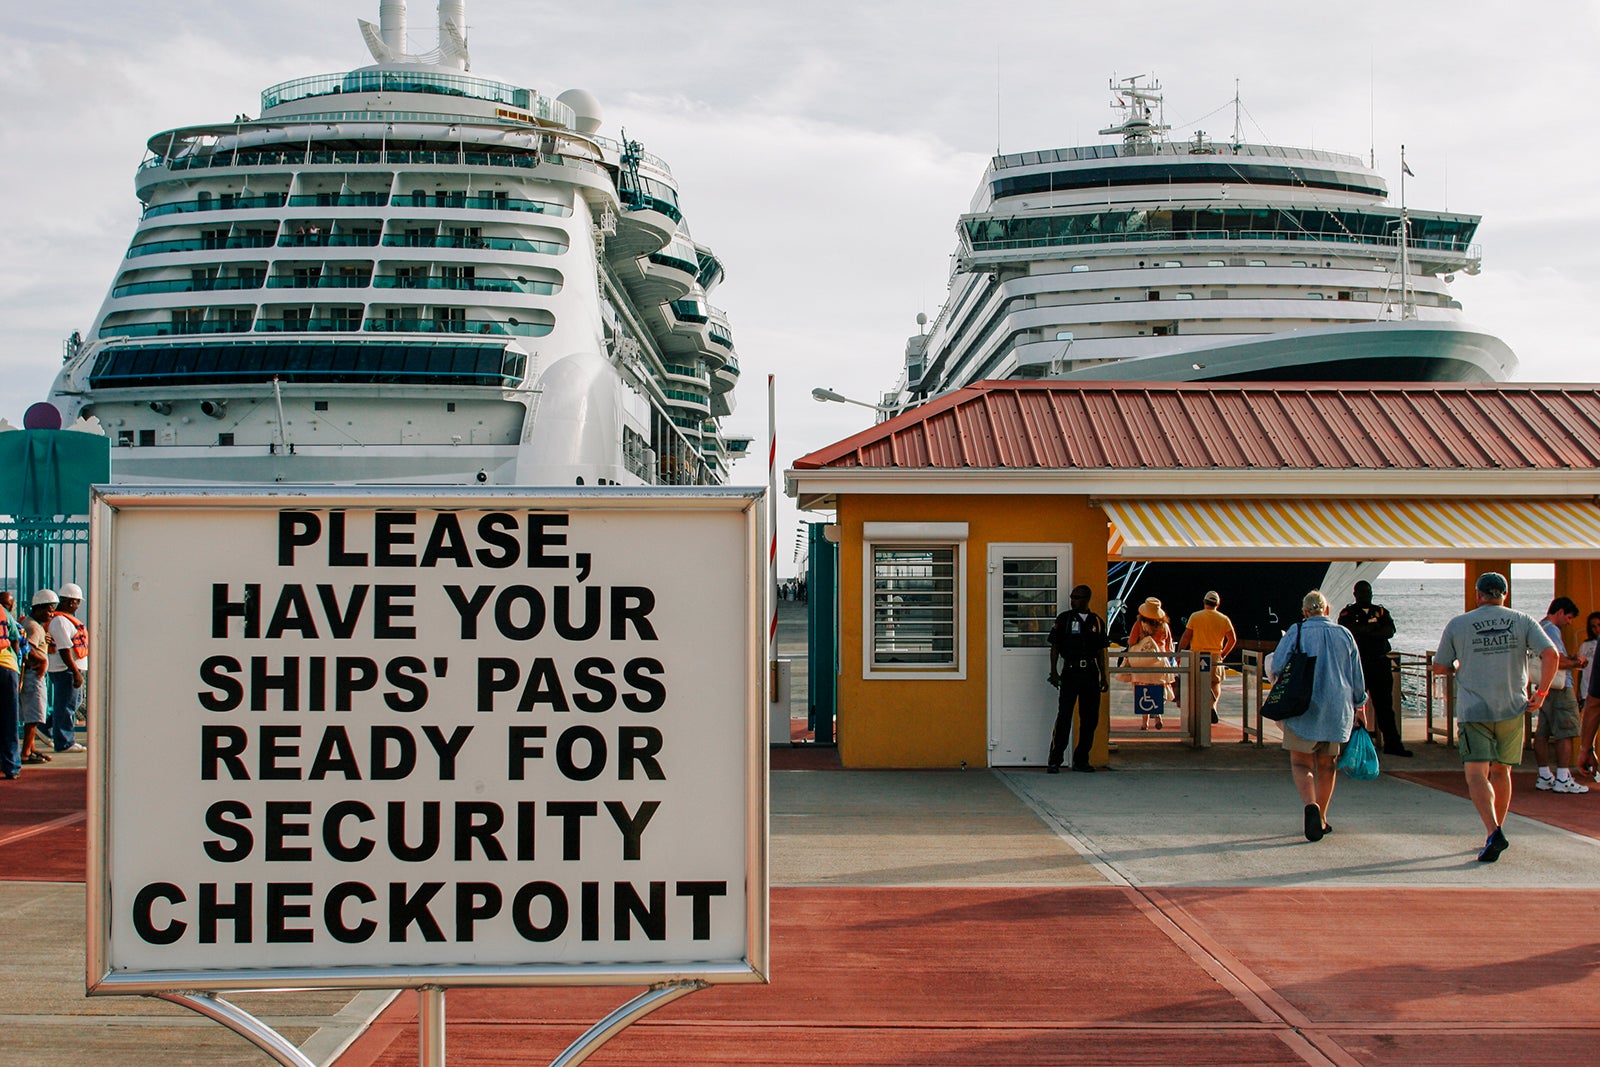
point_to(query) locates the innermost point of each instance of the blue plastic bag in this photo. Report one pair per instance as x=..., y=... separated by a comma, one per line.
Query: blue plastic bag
x=1360, y=759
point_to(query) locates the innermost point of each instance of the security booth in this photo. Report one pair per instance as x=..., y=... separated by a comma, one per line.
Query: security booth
x=963, y=524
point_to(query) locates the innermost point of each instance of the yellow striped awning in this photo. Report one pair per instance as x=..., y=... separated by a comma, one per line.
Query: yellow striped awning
x=1333, y=529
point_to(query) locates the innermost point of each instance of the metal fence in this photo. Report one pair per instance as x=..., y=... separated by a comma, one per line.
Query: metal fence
x=42, y=554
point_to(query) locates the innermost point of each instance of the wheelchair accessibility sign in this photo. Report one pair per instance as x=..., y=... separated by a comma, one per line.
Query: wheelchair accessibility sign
x=1149, y=699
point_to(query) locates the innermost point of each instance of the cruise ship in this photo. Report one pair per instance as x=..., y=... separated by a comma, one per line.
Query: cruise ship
x=406, y=273
x=1149, y=259
x=1152, y=259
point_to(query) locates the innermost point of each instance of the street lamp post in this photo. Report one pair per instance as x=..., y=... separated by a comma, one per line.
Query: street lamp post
x=828, y=396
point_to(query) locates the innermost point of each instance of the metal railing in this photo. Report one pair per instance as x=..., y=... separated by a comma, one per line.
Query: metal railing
x=42, y=554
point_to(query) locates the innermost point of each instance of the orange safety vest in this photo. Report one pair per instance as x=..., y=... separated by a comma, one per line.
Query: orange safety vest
x=80, y=637
x=5, y=631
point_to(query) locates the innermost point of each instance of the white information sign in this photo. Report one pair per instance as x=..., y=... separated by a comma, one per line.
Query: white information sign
x=353, y=738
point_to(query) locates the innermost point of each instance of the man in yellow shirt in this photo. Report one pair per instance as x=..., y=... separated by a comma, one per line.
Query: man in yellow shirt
x=1209, y=630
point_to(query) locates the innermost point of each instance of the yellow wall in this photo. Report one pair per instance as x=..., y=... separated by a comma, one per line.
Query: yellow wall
x=931, y=722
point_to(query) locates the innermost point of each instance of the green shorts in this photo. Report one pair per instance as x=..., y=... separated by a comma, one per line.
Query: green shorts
x=1558, y=717
x=1492, y=742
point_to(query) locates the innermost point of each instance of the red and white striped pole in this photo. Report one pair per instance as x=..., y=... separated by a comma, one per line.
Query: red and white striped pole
x=772, y=523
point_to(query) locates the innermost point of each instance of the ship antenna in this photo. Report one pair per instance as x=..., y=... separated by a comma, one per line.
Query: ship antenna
x=1236, y=114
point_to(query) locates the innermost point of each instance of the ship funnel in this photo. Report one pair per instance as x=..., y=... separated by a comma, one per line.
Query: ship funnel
x=392, y=25
x=453, y=33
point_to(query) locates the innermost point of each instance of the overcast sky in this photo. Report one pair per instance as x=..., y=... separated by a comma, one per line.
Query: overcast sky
x=826, y=149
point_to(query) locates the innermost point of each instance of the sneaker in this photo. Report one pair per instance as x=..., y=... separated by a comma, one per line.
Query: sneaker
x=1568, y=785
x=79, y=747
x=1544, y=783
x=1493, y=845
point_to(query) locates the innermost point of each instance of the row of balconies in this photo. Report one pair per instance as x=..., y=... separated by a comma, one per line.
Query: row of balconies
x=327, y=319
x=348, y=279
x=453, y=200
x=217, y=241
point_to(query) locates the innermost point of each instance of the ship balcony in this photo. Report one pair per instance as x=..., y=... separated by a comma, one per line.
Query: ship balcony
x=173, y=329
x=225, y=202
x=718, y=330
x=347, y=324
x=340, y=200
x=318, y=239
x=494, y=244
x=687, y=372
x=688, y=400
x=709, y=270
x=726, y=376
x=529, y=323
x=660, y=276
x=479, y=285
x=722, y=404
x=202, y=244
x=461, y=202
x=353, y=280
x=648, y=223
x=187, y=285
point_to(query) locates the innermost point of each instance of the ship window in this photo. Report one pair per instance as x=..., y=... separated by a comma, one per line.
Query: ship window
x=1215, y=263
x=1079, y=268
x=319, y=405
x=1344, y=294
x=1313, y=296
x=450, y=406
x=1184, y=296
x=1298, y=263
x=1359, y=294
x=147, y=438
x=224, y=439
x=1154, y=294
x=1258, y=263
x=1172, y=263
x=124, y=438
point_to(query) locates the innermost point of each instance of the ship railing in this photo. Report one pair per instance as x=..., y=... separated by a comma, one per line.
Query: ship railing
x=328, y=240
x=187, y=285
x=203, y=244
x=498, y=244
x=1164, y=148
x=978, y=245
x=173, y=329
x=335, y=281
x=218, y=203
x=469, y=326
x=517, y=159
x=485, y=203
x=481, y=285
x=654, y=162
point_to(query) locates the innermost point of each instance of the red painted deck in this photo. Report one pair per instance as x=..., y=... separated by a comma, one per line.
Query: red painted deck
x=42, y=826
x=1024, y=976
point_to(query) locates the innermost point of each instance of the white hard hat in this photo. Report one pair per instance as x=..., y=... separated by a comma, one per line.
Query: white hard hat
x=71, y=591
x=45, y=596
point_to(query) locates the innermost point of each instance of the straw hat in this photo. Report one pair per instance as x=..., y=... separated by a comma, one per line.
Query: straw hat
x=1151, y=609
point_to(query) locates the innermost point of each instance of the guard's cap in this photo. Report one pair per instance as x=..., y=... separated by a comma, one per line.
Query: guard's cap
x=45, y=596
x=1493, y=583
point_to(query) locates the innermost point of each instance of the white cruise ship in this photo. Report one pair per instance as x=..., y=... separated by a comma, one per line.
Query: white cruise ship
x=1158, y=260
x=409, y=274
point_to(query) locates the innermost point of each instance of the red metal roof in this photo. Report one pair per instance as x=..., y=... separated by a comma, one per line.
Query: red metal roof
x=1238, y=426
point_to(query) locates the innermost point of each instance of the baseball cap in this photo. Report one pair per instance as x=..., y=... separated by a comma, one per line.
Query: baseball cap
x=1493, y=583
x=1212, y=598
x=45, y=596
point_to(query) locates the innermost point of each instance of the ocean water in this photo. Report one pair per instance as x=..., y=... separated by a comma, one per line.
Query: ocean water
x=1422, y=606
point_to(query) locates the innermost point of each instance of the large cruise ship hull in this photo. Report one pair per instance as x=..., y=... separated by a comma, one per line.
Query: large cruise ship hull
x=1378, y=351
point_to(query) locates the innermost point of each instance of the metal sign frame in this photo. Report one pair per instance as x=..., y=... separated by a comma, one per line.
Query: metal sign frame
x=745, y=711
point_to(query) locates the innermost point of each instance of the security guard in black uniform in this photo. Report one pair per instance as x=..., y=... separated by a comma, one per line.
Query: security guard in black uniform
x=1077, y=641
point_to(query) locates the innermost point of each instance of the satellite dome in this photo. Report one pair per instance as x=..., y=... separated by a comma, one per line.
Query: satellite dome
x=585, y=107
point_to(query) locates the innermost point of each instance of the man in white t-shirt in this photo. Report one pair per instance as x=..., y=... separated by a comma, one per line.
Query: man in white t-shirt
x=69, y=663
x=1559, y=717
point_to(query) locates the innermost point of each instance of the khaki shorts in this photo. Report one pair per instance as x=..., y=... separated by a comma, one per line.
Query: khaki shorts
x=1293, y=742
x=1558, y=716
x=1492, y=742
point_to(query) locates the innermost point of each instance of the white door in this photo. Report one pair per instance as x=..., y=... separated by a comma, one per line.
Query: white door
x=1028, y=585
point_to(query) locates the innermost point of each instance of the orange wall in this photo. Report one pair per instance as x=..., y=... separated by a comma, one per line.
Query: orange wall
x=929, y=722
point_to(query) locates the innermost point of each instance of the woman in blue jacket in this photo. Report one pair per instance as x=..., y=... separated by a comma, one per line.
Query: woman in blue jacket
x=1338, y=694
